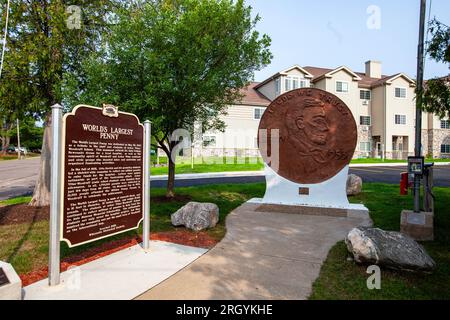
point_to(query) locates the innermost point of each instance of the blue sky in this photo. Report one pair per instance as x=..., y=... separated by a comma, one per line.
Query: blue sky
x=330, y=33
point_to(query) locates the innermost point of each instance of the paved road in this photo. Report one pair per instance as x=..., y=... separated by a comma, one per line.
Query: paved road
x=368, y=174
x=17, y=177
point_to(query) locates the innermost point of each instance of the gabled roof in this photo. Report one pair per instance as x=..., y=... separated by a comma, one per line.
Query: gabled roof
x=389, y=79
x=253, y=97
x=344, y=68
x=284, y=73
x=363, y=82
x=320, y=73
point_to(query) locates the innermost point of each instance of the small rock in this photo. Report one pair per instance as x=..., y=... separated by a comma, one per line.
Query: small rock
x=196, y=216
x=354, y=185
x=391, y=249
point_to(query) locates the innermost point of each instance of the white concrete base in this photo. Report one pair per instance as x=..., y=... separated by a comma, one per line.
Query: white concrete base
x=330, y=193
x=12, y=290
x=120, y=276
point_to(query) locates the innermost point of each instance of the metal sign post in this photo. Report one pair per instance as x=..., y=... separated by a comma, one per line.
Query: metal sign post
x=55, y=189
x=147, y=158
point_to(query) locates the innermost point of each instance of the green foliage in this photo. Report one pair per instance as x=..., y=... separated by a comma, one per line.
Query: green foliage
x=436, y=97
x=30, y=134
x=41, y=49
x=176, y=62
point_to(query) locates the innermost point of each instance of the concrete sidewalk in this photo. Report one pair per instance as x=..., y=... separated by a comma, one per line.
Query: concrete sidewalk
x=263, y=256
x=122, y=275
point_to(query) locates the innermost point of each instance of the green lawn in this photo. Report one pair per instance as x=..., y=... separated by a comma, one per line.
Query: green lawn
x=14, y=156
x=211, y=164
x=343, y=279
x=25, y=246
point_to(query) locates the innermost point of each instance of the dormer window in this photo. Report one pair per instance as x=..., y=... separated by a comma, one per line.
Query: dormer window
x=277, y=86
x=295, y=82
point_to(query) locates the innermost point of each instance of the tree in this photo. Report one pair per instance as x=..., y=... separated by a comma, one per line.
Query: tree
x=15, y=94
x=30, y=134
x=437, y=91
x=177, y=63
x=45, y=37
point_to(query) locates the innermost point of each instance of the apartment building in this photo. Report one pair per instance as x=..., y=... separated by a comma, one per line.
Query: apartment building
x=383, y=107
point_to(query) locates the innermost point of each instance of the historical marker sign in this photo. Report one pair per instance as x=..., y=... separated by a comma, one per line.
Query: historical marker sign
x=102, y=175
x=317, y=134
x=3, y=278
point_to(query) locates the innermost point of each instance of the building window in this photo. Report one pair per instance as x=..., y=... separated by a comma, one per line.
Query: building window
x=365, y=146
x=400, y=92
x=277, y=86
x=364, y=120
x=257, y=113
x=400, y=119
x=341, y=86
x=209, y=141
x=288, y=84
x=364, y=94
x=293, y=82
x=445, y=124
x=445, y=148
x=303, y=83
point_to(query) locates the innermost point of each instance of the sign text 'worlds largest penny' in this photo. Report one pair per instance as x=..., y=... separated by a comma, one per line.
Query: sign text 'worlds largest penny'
x=102, y=174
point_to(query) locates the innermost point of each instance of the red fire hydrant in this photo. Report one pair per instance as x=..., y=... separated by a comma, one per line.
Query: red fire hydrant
x=404, y=183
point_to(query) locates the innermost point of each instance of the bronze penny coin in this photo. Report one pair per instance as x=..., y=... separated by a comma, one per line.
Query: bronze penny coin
x=317, y=135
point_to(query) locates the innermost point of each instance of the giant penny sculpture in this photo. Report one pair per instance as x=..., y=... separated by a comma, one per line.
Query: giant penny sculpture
x=317, y=135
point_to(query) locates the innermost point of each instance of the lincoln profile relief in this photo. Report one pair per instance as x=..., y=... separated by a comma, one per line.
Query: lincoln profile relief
x=317, y=134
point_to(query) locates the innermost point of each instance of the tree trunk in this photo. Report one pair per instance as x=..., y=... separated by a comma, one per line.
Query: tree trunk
x=41, y=195
x=5, y=144
x=171, y=179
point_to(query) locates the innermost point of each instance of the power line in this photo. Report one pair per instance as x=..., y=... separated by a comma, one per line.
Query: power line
x=4, y=38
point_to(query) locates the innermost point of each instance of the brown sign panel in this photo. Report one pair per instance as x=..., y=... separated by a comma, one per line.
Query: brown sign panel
x=317, y=135
x=102, y=174
x=3, y=278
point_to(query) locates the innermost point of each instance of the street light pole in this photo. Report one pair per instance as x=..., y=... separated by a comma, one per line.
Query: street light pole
x=419, y=93
x=18, y=139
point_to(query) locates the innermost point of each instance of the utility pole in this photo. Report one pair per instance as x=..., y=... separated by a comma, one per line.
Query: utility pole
x=18, y=139
x=419, y=93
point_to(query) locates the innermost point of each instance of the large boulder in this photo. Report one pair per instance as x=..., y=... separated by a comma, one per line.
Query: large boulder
x=196, y=216
x=391, y=249
x=354, y=185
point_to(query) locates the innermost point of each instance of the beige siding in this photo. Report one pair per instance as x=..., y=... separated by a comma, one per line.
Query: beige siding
x=269, y=90
x=351, y=98
x=378, y=111
x=241, y=128
x=402, y=106
x=321, y=84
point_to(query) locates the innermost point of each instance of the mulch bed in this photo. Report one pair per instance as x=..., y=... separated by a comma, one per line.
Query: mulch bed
x=176, y=198
x=22, y=213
